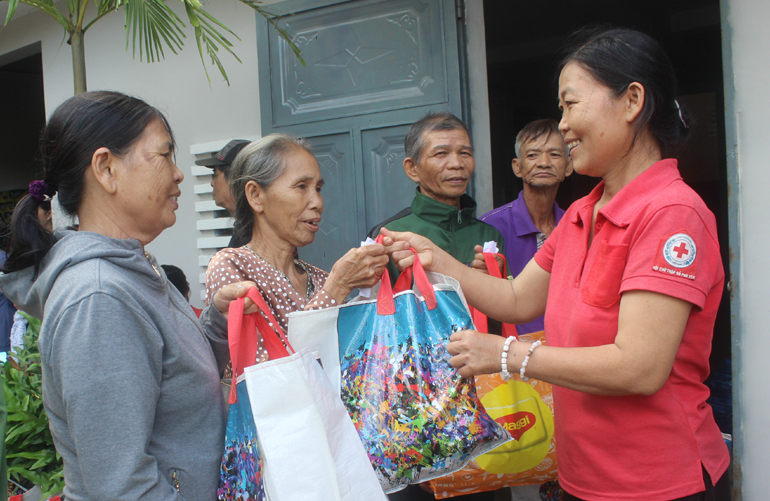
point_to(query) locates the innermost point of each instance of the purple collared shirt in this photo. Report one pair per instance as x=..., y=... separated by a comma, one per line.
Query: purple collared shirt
x=520, y=234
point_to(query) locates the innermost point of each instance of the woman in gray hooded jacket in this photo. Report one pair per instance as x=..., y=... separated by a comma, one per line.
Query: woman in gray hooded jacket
x=130, y=376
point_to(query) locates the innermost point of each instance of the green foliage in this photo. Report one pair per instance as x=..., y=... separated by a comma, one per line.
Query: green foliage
x=152, y=25
x=31, y=456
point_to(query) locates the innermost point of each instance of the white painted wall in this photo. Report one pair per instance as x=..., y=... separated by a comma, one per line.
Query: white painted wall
x=748, y=42
x=178, y=86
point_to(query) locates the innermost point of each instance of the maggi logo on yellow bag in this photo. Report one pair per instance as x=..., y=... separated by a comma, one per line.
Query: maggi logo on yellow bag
x=518, y=407
x=517, y=423
x=522, y=419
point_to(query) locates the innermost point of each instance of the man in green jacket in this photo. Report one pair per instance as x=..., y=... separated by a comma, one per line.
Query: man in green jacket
x=439, y=158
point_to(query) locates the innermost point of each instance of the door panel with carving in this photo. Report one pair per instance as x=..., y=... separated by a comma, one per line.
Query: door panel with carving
x=360, y=58
x=373, y=67
x=334, y=155
x=387, y=188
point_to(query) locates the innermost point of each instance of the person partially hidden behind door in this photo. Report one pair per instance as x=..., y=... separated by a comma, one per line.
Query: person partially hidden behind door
x=439, y=158
x=542, y=163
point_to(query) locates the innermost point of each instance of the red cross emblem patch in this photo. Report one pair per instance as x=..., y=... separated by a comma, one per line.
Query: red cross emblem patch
x=677, y=256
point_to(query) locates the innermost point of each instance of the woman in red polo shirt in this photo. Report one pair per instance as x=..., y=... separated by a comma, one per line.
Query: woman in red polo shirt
x=630, y=283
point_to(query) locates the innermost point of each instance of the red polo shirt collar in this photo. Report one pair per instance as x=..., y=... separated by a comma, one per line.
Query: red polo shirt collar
x=621, y=209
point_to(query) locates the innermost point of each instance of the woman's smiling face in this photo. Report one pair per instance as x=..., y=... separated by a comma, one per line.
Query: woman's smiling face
x=148, y=186
x=593, y=122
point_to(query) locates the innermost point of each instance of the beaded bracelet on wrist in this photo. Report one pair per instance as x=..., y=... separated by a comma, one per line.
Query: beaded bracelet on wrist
x=504, y=360
x=526, y=360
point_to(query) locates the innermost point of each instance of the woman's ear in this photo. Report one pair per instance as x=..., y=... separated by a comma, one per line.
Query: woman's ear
x=570, y=168
x=44, y=217
x=104, y=167
x=634, y=100
x=255, y=196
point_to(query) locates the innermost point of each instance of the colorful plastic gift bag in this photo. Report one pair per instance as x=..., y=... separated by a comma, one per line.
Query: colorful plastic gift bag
x=417, y=417
x=289, y=436
x=240, y=475
x=525, y=409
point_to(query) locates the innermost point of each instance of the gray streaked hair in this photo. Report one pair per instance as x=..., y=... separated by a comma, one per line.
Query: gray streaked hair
x=537, y=129
x=414, y=142
x=262, y=161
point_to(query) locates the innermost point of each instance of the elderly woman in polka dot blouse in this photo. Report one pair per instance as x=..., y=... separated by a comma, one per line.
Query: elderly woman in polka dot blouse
x=278, y=204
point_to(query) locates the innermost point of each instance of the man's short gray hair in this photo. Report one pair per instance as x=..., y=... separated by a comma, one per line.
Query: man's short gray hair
x=414, y=142
x=262, y=161
x=538, y=129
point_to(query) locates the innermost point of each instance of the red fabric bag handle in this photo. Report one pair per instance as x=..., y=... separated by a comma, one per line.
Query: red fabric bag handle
x=243, y=337
x=385, y=303
x=479, y=319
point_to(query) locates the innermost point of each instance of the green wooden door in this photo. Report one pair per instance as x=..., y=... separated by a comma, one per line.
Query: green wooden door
x=373, y=67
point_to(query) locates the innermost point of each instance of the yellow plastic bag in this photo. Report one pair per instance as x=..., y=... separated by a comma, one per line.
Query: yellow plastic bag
x=525, y=409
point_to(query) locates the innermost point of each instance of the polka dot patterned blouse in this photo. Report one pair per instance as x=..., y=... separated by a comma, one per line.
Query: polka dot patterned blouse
x=236, y=265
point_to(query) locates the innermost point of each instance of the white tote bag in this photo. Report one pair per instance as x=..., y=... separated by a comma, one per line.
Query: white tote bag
x=309, y=446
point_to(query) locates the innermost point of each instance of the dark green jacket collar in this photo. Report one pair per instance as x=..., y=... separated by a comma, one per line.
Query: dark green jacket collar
x=442, y=215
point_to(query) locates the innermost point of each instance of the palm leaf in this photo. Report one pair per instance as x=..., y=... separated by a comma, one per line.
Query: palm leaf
x=208, y=34
x=162, y=20
x=46, y=6
x=12, y=4
x=202, y=38
x=105, y=6
x=153, y=25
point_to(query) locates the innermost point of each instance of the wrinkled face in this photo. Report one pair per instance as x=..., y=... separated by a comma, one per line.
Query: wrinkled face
x=148, y=184
x=544, y=162
x=223, y=196
x=446, y=165
x=593, y=122
x=292, y=206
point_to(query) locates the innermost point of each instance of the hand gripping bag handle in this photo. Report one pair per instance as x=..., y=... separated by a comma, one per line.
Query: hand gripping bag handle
x=243, y=345
x=385, y=303
x=479, y=319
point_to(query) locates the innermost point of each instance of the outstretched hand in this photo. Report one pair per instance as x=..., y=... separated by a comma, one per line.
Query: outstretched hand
x=397, y=244
x=481, y=265
x=230, y=293
x=474, y=353
x=360, y=267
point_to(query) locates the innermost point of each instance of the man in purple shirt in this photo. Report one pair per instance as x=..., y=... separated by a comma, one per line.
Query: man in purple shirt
x=542, y=162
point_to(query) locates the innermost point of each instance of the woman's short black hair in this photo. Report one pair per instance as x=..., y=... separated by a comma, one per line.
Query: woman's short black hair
x=617, y=57
x=76, y=129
